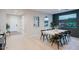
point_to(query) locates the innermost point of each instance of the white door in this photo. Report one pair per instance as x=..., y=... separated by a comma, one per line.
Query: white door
x=14, y=22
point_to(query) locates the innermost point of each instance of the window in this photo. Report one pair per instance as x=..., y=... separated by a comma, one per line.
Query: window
x=69, y=16
x=68, y=21
x=36, y=21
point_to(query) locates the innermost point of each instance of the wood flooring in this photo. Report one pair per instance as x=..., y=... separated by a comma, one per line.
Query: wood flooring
x=21, y=42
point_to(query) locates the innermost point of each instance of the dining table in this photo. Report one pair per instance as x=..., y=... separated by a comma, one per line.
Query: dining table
x=54, y=31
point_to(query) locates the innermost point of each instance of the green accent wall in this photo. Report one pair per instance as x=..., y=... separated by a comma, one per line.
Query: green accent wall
x=74, y=24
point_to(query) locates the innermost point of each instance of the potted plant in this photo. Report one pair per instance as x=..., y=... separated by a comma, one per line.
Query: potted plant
x=54, y=26
x=7, y=27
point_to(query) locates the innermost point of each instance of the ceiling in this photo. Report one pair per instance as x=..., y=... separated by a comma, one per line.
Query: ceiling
x=52, y=11
x=48, y=11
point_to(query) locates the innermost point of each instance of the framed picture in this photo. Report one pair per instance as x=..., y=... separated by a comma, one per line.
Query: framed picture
x=36, y=21
x=46, y=21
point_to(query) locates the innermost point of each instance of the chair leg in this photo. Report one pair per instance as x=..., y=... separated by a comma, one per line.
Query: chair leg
x=69, y=38
x=52, y=42
x=3, y=46
x=43, y=37
x=61, y=43
x=64, y=40
x=58, y=44
x=47, y=37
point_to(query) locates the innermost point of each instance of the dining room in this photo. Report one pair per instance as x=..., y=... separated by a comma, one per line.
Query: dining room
x=64, y=29
x=39, y=29
x=42, y=29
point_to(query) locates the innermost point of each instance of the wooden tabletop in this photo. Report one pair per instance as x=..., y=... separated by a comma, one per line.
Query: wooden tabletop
x=54, y=31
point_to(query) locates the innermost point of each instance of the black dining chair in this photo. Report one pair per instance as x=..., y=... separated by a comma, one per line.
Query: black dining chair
x=43, y=35
x=66, y=36
x=2, y=41
x=57, y=39
x=64, y=40
x=61, y=37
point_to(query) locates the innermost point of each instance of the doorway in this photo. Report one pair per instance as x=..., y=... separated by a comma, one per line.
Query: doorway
x=15, y=23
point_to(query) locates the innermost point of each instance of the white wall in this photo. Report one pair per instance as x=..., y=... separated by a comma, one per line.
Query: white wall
x=29, y=29
x=2, y=22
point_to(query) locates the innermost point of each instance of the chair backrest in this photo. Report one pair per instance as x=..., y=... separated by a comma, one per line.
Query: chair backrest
x=69, y=32
x=56, y=36
x=2, y=41
x=59, y=36
x=3, y=37
x=42, y=32
x=49, y=29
